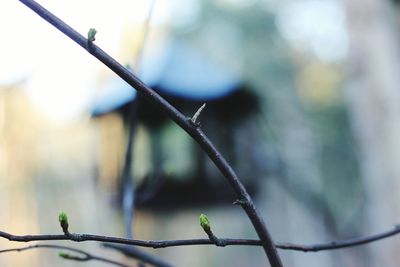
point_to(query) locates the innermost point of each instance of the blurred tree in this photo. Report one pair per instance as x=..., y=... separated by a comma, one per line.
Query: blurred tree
x=374, y=101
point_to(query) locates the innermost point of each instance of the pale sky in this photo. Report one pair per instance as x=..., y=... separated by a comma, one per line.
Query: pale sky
x=59, y=76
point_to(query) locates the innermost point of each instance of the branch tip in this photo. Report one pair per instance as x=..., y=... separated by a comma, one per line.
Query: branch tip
x=197, y=114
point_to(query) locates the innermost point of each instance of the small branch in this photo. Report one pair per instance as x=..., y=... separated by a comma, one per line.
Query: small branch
x=197, y=114
x=85, y=256
x=189, y=242
x=135, y=253
x=340, y=244
x=143, y=39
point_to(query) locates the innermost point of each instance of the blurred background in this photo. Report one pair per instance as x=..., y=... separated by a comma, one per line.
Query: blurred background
x=302, y=98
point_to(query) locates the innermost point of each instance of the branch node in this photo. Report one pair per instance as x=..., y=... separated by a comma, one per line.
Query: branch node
x=76, y=237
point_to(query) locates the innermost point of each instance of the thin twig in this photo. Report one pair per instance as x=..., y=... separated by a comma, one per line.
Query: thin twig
x=86, y=256
x=143, y=39
x=129, y=188
x=189, y=242
x=184, y=122
x=134, y=252
x=340, y=244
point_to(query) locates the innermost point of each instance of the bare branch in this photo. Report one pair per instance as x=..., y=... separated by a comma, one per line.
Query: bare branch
x=119, y=240
x=85, y=256
x=189, y=242
x=340, y=244
x=143, y=39
x=185, y=123
x=134, y=252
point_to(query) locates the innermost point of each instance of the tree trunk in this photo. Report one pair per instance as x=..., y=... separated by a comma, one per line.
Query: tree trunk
x=373, y=97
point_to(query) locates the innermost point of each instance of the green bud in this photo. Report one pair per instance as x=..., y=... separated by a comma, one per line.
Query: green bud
x=63, y=219
x=91, y=34
x=204, y=222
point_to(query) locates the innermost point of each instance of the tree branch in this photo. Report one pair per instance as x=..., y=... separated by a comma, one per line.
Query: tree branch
x=86, y=256
x=189, y=242
x=184, y=122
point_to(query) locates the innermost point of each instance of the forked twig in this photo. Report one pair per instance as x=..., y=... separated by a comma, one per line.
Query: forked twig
x=185, y=123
